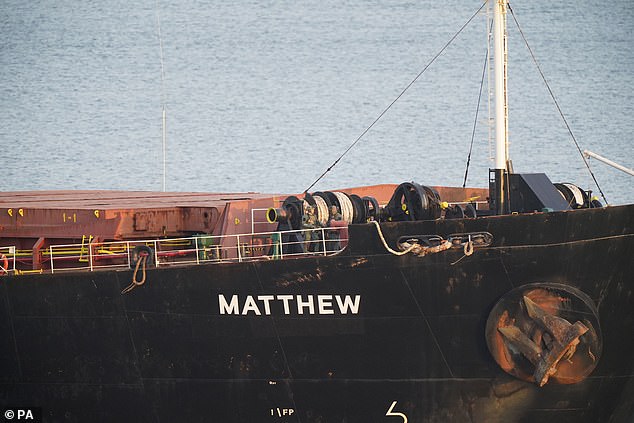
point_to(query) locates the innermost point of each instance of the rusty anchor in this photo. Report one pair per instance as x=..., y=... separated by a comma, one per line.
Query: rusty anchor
x=560, y=340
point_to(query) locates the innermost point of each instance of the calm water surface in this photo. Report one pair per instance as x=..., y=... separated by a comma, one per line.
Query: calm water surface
x=264, y=96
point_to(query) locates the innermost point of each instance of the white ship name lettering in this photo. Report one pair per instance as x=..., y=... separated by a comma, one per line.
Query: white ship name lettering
x=290, y=304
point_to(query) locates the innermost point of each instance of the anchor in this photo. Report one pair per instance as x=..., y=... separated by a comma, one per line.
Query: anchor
x=531, y=336
x=565, y=338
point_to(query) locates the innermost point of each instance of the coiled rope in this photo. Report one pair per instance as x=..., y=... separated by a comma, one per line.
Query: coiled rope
x=322, y=210
x=347, y=210
x=305, y=205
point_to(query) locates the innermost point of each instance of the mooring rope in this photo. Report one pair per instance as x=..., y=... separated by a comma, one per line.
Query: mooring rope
x=136, y=283
x=387, y=247
x=347, y=210
x=414, y=248
x=322, y=210
x=467, y=249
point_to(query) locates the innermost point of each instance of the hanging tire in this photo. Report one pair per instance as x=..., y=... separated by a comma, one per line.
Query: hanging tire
x=141, y=251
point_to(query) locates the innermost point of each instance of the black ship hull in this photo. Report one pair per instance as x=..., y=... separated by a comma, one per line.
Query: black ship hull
x=363, y=336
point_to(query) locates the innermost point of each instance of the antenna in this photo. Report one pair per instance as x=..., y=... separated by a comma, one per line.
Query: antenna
x=164, y=118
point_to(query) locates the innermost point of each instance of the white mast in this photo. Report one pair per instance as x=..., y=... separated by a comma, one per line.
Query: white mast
x=499, y=39
x=501, y=110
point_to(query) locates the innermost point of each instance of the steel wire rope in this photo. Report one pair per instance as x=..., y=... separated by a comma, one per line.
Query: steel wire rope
x=398, y=97
x=552, y=95
x=475, y=120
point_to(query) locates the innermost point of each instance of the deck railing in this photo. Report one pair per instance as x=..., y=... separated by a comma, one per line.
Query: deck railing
x=7, y=260
x=193, y=250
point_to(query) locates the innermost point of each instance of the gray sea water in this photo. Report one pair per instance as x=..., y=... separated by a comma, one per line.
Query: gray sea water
x=265, y=95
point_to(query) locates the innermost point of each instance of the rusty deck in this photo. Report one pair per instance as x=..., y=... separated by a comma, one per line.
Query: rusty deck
x=30, y=219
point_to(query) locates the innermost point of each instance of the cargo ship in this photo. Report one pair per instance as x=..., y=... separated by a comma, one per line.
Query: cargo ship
x=387, y=303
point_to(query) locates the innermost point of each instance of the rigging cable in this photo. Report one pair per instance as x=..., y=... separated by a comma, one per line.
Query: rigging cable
x=397, y=97
x=475, y=121
x=561, y=113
